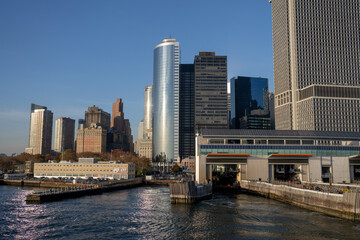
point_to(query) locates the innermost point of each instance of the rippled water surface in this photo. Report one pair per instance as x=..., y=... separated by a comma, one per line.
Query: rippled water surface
x=146, y=213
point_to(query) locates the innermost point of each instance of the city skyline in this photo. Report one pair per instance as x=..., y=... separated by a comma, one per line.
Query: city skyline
x=61, y=62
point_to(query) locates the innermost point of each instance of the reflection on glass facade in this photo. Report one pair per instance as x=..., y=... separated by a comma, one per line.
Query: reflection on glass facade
x=148, y=108
x=249, y=103
x=166, y=101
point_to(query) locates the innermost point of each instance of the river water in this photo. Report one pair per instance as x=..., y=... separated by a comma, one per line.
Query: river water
x=146, y=213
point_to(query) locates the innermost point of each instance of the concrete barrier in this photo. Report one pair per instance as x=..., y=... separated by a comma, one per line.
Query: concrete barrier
x=345, y=205
x=188, y=192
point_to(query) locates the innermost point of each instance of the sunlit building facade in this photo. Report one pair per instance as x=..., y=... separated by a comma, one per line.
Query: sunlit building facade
x=64, y=134
x=166, y=100
x=316, y=47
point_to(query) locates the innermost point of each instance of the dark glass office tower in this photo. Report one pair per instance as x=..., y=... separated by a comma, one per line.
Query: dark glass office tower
x=210, y=91
x=250, y=103
x=187, y=136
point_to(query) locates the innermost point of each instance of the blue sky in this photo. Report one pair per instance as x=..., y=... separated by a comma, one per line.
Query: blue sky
x=69, y=55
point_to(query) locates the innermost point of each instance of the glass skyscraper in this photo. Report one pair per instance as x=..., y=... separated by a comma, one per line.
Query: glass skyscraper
x=166, y=101
x=187, y=98
x=249, y=103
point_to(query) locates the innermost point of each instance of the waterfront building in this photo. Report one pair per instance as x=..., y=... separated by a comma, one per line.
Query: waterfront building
x=166, y=100
x=210, y=91
x=95, y=115
x=249, y=103
x=91, y=139
x=279, y=155
x=85, y=168
x=316, y=47
x=41, y=122
x=148, y=108
x=64, y=134
x=187, y=101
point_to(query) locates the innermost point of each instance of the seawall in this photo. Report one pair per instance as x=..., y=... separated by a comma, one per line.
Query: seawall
x=188, y=192
x=346, y=206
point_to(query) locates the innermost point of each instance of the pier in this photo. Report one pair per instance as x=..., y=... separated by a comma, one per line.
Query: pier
x=188, y=192
x=79, y=191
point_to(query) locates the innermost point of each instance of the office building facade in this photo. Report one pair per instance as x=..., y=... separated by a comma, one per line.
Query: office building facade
x=210, y=82
x=41, y=122
x=64, y=134
x=316, y=47
x=166, y=100
x=85, y=168
x=187, y=98
x=249, y=103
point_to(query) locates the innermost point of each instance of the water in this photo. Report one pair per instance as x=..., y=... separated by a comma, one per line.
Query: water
x=146, y=213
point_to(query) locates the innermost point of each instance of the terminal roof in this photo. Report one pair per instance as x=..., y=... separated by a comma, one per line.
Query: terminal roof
x=278, y=133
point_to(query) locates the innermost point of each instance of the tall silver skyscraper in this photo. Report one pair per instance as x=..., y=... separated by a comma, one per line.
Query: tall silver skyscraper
x=148, y=108
x=166, y=100
x=317, y=64
x=40, y=131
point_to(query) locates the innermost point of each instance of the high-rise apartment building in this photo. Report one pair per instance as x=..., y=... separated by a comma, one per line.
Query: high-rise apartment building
x=148, y=108
x=166, y=100
x=187, y=93
x=250, y=103
x=97, y=116
x=210, y=91
x=64, y=134
x=40, y=131
x=317, y=64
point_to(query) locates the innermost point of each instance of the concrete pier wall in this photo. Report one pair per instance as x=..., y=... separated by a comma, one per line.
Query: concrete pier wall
x=345, y=205
x=188, y=192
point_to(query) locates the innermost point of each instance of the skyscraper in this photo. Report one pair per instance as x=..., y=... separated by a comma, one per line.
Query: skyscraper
x=64, y=134
x=210, y=91
x=40, y=131
x=148, y=108
x=250, y=103
x=141, y=130
x=317, y=64
x=186, y=132
x=166, y=100
x=117, y=119
x=95, y=115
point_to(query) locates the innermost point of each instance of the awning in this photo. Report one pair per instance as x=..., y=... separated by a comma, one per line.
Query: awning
x=289, y=158
x=227, y=158
x=354, y=159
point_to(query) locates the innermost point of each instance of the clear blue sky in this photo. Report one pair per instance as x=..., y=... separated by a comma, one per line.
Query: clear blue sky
x=69, y=55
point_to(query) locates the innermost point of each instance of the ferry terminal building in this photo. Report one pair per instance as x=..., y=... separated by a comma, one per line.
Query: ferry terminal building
x=278, y=155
